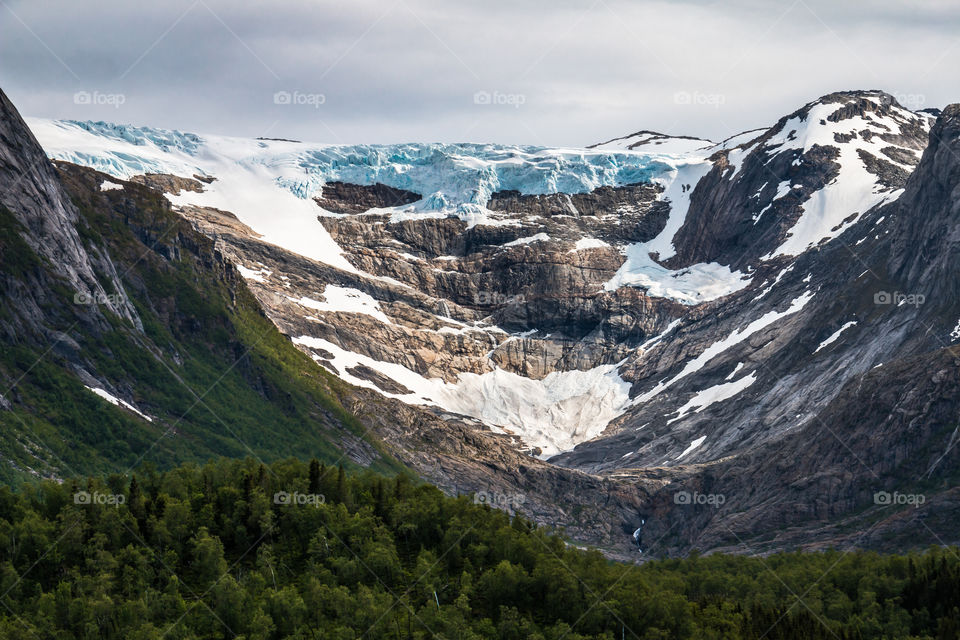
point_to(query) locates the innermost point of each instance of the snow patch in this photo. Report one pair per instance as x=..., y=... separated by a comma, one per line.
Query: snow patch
x=556, y=413
x=853, y=192
x=654, y=341
x=733, y=373
x=836, y=334
x=257, y=275
x=691, y=285
x=735, y=338
x=718, y=393
x=693, y=445
x=106, y=185
x=112, y=399
x=697, y=283
x=346, y=300
x=588, y=243
x=540, y=237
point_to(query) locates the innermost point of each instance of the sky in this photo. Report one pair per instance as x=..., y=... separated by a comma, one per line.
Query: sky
x=555, y=73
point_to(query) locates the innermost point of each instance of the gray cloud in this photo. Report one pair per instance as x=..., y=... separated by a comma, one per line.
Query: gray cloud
x=558, y=73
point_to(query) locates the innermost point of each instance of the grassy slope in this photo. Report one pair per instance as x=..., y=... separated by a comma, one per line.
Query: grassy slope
x=209, y=366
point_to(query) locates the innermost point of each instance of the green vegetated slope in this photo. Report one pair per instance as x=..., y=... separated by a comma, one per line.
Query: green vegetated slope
x=209, y=368
x=235, y=549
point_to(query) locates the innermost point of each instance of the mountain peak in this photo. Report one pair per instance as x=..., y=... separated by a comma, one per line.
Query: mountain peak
x=654, y=142
x=802, y=181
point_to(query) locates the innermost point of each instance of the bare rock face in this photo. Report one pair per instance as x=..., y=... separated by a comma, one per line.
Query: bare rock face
x=166, y=183
x=925, y=241
x=602, y=201
x=744, y=209
x=29, y=189
x=342, y=197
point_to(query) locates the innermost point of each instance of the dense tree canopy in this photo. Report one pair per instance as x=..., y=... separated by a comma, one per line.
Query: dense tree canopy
x=235, y=549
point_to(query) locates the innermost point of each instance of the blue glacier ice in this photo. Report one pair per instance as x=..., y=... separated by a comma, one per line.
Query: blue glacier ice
x=451, y=177
x=163, y=139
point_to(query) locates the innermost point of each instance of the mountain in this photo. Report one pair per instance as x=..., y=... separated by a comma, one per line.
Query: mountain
x=172, y=359
x=614, y=332
x=128, y=338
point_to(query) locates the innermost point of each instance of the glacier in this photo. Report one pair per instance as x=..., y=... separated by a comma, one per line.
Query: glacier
x=454, y=178
x=269, y=185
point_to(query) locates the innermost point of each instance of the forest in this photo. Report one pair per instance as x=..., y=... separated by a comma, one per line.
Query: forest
x=239, y=549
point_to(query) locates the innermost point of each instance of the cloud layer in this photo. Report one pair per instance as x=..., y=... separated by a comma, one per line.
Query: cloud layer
x=556, y=73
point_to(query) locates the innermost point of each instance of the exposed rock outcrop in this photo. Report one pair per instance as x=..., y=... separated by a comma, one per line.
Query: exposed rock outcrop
x=31, y=192
x=342, y=197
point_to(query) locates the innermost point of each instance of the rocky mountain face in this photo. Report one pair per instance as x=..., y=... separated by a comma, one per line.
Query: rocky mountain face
x=737, y=343
x=870, y=367
x=833, y=159
x=33, y=196
x=116, y=318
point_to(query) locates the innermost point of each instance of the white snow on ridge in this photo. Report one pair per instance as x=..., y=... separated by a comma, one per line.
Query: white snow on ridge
x=693, y=445
x=556, y=413
x=717, y=393
x=854, y=191
x=348, y=300
x=106, y=185
x=836, y=335
x=650, y=141
x=112, y=399
x=735, y=338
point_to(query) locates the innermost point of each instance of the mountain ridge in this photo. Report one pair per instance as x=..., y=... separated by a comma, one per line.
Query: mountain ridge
x=600, y=308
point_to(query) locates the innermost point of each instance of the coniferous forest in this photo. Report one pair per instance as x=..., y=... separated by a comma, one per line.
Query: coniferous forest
x=236, y=549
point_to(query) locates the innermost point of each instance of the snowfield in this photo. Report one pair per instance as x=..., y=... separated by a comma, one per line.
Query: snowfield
x=854, y=191
x=555, y=414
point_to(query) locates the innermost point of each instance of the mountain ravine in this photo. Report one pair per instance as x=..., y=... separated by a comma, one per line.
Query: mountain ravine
x=745, y=345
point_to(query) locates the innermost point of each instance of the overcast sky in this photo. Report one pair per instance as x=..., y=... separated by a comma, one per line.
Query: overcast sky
x=557, y=73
